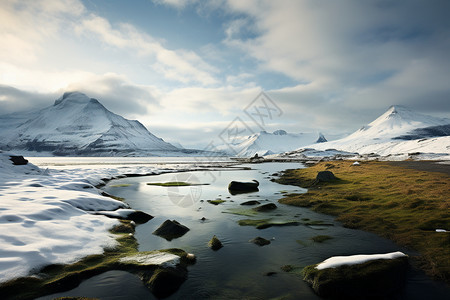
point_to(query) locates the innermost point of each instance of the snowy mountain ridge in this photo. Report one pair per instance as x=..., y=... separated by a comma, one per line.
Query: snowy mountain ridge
x=265, y=143
x=77, y=125
x=398, y=130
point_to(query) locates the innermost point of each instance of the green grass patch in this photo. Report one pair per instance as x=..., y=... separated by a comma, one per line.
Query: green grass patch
x=175, y=183
x=216, y=202
x=404, y=205
x=266, y=223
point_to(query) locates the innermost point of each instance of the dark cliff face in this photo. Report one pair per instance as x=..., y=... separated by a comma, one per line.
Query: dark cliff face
x=428, y=132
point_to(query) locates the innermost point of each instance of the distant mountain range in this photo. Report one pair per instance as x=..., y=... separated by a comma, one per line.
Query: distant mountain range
x=78, y=125
x=398, y=130
x=265, y=143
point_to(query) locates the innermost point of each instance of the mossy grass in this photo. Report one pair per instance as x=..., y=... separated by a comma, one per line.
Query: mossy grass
x=216, y=202
x=175, y=183
x=58, y=277
x=266, y=223
x=404, y=205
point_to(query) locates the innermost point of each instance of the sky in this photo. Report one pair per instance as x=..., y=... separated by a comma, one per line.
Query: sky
x=191, y=71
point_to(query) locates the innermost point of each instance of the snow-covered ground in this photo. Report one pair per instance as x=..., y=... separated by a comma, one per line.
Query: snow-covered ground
x=46, y=215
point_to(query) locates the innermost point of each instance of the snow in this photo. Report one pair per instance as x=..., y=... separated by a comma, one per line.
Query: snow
x=384, y=137
x=56, y=215
x=158, y=258
x=77, y=124
x=265, y=143
x=337, y=261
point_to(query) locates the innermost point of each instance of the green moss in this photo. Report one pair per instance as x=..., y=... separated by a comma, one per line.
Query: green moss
x=404, y=205
x=321, y=238
x=216, y=202
x=175, y=183
x=266, y=223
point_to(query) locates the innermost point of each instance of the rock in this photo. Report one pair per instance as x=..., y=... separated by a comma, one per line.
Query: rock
x=270, y=273
x=215, y=243
x=18, y=160
x=251, y=202
x=260, y=241
x=325, y=176
x=139, y=217
x=124, y=226
x=236, y=187
x=265, y=207
x=164, y=282
x=171, y=230
x=375, y=279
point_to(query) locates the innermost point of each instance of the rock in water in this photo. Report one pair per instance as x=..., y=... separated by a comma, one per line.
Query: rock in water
x=375, y=279
x=265, y=207
x=324, y=176
x=251, y=202
x=18, y=160
x=260, y=241
x=215, y=243
x=171, y=230
x=165, y=282
x=139, y=217
x=236, y=187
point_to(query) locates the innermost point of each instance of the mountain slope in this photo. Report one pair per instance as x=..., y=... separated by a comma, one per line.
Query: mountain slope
x=265, y=143
x=77, y=125
x=398, y=130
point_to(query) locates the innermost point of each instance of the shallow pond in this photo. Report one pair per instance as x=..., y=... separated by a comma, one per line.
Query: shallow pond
x=240, y=269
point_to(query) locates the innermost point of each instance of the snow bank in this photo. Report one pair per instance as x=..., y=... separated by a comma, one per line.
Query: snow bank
x=158, y=258
x=337, y=261
x=56, y=216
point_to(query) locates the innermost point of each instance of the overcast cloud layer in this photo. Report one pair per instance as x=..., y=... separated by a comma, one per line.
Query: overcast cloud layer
x=186, y=69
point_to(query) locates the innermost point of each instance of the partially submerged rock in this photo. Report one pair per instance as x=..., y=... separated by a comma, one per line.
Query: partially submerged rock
x=251, y=202
x=260, y=241
x=237, y=187
x=215, y=243
x=164, y=282
x=171, y=230
x=370, y=279
x=265, y=207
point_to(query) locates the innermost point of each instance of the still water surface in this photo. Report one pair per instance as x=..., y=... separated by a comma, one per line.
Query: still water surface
x=238, y=270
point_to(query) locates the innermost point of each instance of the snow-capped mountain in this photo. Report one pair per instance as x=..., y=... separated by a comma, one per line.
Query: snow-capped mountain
x=265, y=143
x=78, y=125
x=398, y=130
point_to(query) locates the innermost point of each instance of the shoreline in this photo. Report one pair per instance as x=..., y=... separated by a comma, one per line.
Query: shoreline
x=393, y=201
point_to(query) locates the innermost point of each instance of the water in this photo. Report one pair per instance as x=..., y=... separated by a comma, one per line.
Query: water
x=238, y=270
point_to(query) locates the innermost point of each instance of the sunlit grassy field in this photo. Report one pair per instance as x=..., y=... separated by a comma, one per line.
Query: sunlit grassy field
x=404, y=205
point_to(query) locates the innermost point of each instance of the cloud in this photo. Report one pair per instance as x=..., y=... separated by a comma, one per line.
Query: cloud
x=14, y=100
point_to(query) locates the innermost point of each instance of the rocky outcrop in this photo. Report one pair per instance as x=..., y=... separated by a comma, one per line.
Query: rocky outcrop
x=251, y=202
x=325, y=176
x=374, y=279
x=265, y=207
x=171, y=230
x=215, y=243
x=18, y=160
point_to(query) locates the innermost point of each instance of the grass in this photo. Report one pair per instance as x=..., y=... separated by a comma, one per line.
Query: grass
x=216, y=202
x=266, y=223
x=120, y=185
x=175, y=183
x=404, y=205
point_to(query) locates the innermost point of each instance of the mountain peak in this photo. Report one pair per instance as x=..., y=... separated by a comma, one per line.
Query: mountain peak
x=75, y=97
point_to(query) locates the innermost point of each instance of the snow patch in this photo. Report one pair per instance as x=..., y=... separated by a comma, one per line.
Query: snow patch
x=337, y=261
x=163, y=259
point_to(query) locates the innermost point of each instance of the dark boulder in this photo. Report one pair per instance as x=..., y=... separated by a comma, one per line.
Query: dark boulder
x=251, y=202
x=260, y=241
x=164, y=282
x=325, y=176
x=236, y=187
x=139, y=217
x=215, y=243
x=265, y=207
x=375, y=279
x=18, y=160
x=171, y=230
